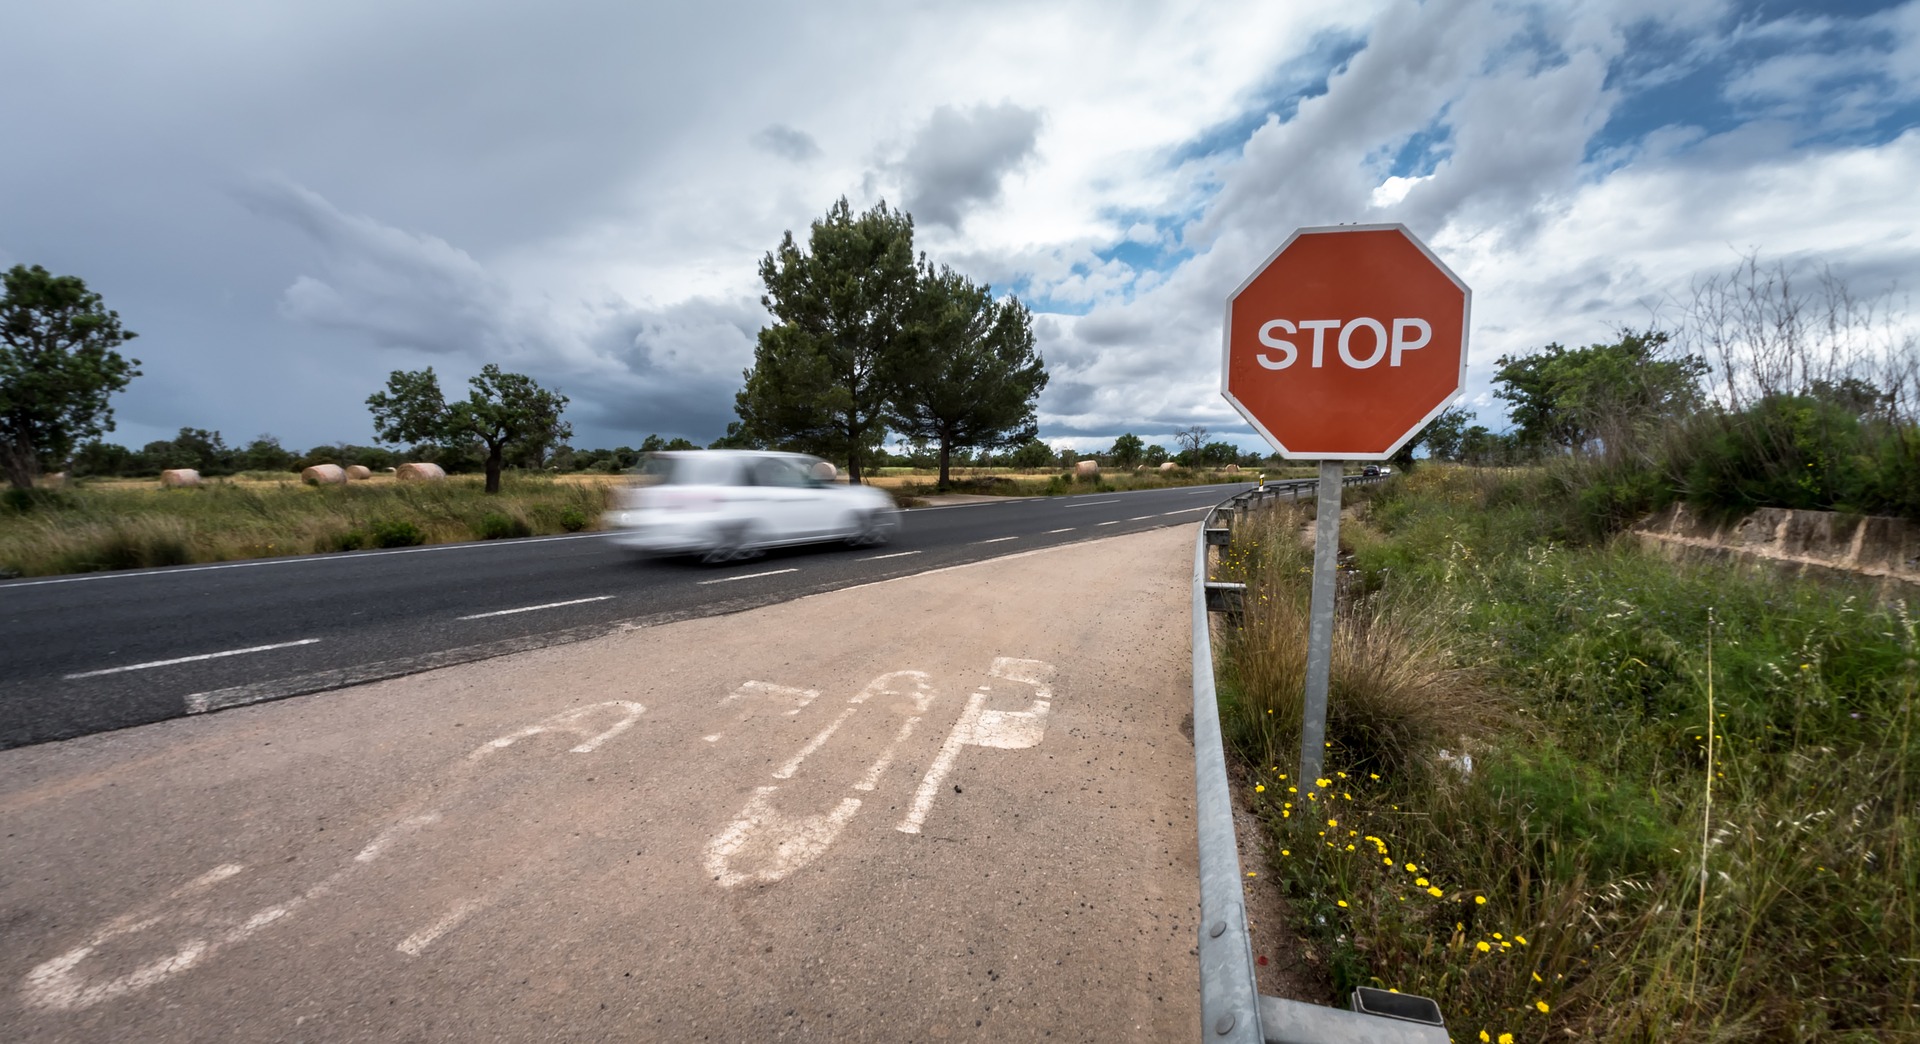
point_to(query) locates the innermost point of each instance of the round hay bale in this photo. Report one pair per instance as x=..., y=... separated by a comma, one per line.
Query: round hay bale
x=1233, y=469
x=1168, y=466
x=825, y=471
x=1087, y=469
x=54, y=481
x=179, y=478
x=324, y=475
x=358, y=472
x=420, y=472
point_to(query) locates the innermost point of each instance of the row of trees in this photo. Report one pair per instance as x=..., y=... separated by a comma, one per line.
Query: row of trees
x=867, y=339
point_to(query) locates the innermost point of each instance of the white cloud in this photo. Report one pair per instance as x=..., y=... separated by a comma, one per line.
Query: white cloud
x=587, y=196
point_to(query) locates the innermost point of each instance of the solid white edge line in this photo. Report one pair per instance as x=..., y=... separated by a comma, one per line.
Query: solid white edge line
x=187, y=659
x=749, y=576
x=531, y=608
x=996, y=540
x=123, y=574
x=896, y=554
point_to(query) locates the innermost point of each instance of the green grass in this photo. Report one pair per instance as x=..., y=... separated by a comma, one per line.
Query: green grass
x=1576, y=677
x=129, y=525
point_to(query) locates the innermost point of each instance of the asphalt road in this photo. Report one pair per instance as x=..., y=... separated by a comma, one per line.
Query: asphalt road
x=957, y=806
x=104, y=651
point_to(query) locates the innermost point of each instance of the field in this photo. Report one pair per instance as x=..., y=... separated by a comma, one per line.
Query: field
x=103, y=524
x=132, y=523
x=1578, y=792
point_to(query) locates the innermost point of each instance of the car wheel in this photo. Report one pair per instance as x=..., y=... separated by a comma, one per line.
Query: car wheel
x=876, y=528
x=732, y=544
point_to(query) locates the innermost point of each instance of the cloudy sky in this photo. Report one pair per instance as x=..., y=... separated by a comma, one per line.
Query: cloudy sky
x=288, y=201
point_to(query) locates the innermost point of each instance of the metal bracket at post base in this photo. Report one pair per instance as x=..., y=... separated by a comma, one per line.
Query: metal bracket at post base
x=1406, y=1019
x=1225, y=596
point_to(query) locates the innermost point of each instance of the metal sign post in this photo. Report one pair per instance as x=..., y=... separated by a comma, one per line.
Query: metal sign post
x=1326, y=560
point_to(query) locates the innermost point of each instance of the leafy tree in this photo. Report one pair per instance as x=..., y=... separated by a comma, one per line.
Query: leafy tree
x=735, y=438
x=1218, y=454
x=677, y=443
x=652, y=444
x=265, y=454
x=1603, y=396
x=1442, y=434
x=1127, y=450
x=203, y=451
x=57, y=368
x=841, y=310
x=1154, y=456
x=103, y=458
x=504, y=411
x=966, y=376
x=1031, y=455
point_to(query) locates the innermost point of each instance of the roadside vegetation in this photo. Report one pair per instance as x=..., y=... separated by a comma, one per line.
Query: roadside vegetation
x=1008, y=482
x=129, y=525
x=1575, y=790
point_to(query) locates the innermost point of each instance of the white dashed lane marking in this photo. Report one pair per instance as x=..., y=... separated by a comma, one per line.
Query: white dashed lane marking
x=189, y=659
x=749, y=576
x=533, y=608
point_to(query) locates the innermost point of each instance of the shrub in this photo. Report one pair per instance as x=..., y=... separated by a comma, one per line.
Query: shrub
x=573, y=520
x=398, y=533
x=495, y=525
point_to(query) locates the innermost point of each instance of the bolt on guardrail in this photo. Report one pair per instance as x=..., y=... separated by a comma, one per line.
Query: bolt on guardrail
x=1232, y=1011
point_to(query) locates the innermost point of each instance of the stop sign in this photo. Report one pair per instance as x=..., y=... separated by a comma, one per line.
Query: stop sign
x=1346, y=342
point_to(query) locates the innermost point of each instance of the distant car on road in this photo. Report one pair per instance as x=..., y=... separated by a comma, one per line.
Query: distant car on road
x=1370, y=471
x=724, y=505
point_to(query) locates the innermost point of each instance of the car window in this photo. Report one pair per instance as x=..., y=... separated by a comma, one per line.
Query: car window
x=779, y=471
x=693, y=469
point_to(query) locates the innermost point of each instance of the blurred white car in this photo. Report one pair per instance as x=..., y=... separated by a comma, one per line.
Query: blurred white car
x=724, y=505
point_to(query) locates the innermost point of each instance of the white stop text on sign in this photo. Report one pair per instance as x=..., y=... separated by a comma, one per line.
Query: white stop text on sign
x=1355, y=335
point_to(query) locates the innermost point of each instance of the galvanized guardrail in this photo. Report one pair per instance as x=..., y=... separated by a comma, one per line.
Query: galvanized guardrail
x=1232, y=1011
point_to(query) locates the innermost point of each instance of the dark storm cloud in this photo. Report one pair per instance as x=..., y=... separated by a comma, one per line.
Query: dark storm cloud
x=785, y=141
x=959, y=159
x=400, y=289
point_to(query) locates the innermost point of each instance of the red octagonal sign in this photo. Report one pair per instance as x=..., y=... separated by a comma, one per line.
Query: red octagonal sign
x=1346, y=342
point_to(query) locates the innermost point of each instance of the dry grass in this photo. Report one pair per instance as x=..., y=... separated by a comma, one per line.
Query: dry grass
x=130, y=524
x=1394, y=686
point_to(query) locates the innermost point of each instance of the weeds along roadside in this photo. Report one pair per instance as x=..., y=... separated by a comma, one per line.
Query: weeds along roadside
x=126, y=526
x=1516, y=816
